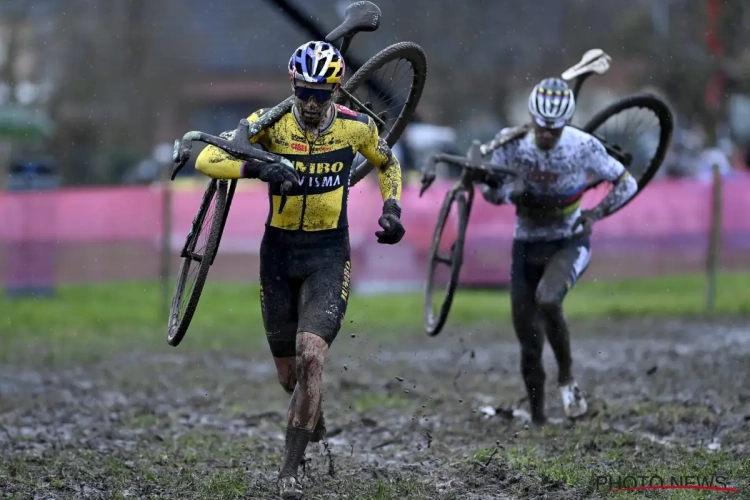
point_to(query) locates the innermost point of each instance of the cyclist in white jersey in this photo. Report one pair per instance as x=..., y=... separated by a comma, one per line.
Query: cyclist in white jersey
x=551, y=237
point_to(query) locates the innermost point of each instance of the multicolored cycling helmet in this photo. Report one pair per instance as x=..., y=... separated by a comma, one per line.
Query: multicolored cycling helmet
x=551, y=102
x=317, y=62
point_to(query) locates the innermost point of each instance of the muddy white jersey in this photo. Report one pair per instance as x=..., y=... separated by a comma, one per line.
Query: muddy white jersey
x=554, y=182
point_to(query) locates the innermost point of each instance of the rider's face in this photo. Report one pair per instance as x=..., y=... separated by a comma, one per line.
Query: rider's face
x=546, y=135
x=312, y=101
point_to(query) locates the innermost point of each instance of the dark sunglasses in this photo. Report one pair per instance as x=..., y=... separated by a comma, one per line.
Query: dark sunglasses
x=320, y=95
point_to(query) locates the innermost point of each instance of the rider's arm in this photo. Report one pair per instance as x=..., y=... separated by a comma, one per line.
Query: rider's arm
x=498, y=195
x=602, y=165
x=377, y=152
x=218, y=164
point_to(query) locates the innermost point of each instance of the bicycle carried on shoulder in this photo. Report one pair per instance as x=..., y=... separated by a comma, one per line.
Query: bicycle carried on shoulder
x=360, y=93
x=641, y=158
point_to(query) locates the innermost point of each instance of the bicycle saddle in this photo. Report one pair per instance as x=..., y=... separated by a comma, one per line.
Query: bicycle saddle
x=360, y=16
x=594, y=60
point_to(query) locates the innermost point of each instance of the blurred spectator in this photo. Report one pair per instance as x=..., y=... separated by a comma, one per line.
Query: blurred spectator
x=690, y=158
x=681, y=158
x=146, y=171
x=704, y=164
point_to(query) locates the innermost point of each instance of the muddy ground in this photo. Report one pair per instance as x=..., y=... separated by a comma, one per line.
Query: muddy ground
x=425, y=418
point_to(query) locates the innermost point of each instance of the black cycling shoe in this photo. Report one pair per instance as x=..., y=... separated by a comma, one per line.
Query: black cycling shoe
x=319, y=433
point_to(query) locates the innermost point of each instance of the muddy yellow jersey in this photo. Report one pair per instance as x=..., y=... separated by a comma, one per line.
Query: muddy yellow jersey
x=324, y=165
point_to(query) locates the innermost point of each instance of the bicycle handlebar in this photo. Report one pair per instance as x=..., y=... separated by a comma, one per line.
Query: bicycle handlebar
x=467, y=164
x=463, y=161
x=238, y=146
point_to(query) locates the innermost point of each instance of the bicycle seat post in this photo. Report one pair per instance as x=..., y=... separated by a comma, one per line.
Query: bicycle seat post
x=347, y=40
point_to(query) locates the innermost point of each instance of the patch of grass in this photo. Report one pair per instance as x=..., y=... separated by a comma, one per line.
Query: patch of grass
x=109, y=317
x=141, y=421
x=483, y=455
x=395, y=490
x=197, y=466
x=667, y=412
x=375, y=401
x=591, y=461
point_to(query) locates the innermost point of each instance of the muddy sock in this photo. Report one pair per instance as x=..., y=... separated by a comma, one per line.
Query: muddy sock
x=296, y=442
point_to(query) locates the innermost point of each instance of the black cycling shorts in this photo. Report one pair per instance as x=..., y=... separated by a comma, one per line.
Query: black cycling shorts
x=304, y=285
x=542, y=272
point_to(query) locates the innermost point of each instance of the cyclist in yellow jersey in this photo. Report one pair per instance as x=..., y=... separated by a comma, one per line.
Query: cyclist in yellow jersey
x=305, y=253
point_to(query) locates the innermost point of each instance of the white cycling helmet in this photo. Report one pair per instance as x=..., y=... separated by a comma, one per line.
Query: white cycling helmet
x=552, y=101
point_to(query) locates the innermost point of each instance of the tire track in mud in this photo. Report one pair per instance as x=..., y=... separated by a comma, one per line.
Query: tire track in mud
x=413, y=417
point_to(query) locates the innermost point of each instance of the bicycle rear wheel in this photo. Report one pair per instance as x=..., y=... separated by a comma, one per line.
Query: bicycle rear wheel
x=435, y=320
x=640, y=125
x=392, y=82
x=209, y=223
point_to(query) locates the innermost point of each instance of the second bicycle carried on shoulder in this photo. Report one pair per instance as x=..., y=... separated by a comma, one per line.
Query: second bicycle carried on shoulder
x=642, y=165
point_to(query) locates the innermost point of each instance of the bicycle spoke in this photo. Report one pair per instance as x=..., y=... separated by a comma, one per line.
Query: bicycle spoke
x=196, y=254
x=388, y=78
x=635, y=129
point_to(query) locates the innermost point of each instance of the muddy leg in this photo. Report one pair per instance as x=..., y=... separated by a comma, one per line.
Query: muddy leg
x=304, y=408
x=526, y=323
x=532, y=345
x=287, y=373
x=559, y=339
x=560, y=274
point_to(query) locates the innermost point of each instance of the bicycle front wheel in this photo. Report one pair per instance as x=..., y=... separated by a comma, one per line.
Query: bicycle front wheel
x=450, y=255
x=639, y=125
x=207, y=227
x=389, y=86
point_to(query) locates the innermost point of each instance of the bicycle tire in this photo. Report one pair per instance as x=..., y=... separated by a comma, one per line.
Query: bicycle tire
x=433, y=324
x=415, y=55
x=666, y=124
x=177, y=327
x=228, y=205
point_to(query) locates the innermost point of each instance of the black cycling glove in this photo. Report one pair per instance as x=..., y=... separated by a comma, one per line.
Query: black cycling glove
x=270, y=172
x=586, y=222
x=390, y=221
